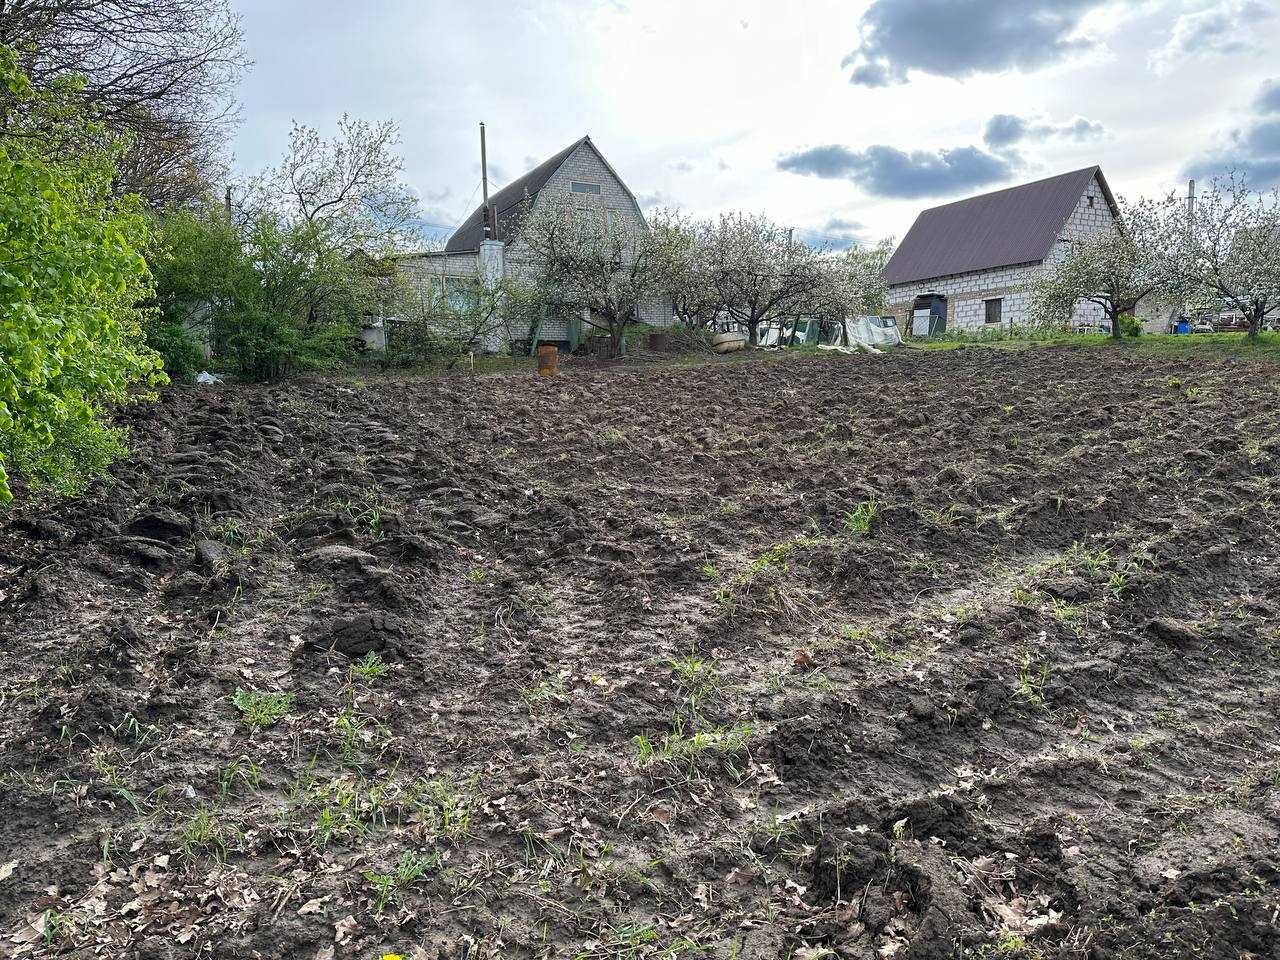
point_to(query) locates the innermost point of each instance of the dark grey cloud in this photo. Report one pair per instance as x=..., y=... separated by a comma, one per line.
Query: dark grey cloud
x=885, y=171
x=1005, y=130
x=957, y=38
x=1252, y=150
x=1222, y=29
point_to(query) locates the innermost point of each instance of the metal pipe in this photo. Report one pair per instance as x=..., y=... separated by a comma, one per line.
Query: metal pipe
x=484, y=182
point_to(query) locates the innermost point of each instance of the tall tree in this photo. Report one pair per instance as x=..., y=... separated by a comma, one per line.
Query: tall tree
x=71, y=278
x=348, y=189
x=588, y=256
x=1114, y=269
x=160, y=70
x=850, y=284
x=1226, y=249
x=683, y=253
x=761, y=274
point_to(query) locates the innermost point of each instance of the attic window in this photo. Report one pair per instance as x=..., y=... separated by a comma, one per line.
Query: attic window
x=578, y=186
x=1090, y=199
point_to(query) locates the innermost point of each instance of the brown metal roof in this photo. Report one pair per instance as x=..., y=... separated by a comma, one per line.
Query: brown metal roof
x=507, y=202
x=1012, y=226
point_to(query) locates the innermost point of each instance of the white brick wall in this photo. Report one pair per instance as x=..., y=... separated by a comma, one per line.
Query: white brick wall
x=584, y=164
x=967, y=292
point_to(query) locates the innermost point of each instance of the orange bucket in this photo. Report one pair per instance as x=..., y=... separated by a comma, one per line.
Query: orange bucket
x=548, y=360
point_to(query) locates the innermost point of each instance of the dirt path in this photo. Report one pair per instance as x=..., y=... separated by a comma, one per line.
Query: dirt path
x=966, y=654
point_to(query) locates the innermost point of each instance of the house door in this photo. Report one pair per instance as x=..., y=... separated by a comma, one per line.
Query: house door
x=929, y=315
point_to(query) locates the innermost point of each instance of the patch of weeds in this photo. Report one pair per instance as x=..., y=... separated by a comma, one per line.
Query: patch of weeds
x=242, y=775
x=1117, y=583
x=371, y=668
x=260, y=708
x=678, y=745
x=205, y=833
x=950, y=517
x=710, y=571
x=774, y=561
x=632, y=942
x=866, y=638
x=698, y=678
x=1010, y=944
x=340, y=808
x=1031, y=681
x=859, y=519
x=130, y=728
x=366, y=511
x=1093, y=561
x=59, y=927
x=477, y=575
x=112, y=777
x=1023, y=597
x=550, y=687
x=409, y=869
x=446, y=805
x=817, y=681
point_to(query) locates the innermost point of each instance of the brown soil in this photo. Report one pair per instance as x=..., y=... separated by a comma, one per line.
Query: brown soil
x=634, y=681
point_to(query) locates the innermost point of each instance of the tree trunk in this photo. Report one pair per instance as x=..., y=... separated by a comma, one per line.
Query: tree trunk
x=751, y=333
x=1114, y=315
x=1255, y=325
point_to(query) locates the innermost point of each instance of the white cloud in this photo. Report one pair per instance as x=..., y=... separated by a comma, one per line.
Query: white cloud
x=1220, y=29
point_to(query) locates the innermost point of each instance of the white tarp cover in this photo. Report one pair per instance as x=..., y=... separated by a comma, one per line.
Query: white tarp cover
x=864, y=333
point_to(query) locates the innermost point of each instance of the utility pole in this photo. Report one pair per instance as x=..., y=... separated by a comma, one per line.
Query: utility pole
x=484, y=182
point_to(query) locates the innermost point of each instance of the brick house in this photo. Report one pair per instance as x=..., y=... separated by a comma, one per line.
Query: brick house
x=578, y=172
x=970, y=265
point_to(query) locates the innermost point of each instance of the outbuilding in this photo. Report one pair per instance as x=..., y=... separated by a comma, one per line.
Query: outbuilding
x=970, y=265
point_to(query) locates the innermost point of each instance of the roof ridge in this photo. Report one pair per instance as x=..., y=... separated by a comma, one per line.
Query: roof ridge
x=1017, y=186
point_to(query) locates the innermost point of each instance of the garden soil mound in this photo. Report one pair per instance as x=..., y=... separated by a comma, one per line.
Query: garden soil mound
x=933, y=655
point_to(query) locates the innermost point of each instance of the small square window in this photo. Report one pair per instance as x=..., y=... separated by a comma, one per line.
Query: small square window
x=994, y=310
x=1090, y=200
x=578, y=186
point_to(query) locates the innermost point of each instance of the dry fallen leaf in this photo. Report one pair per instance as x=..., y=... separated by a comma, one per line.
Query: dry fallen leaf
x=344, y=929
x=6, y=869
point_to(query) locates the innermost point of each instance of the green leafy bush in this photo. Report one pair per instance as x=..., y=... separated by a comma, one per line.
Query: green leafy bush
x=1130, y=326
x=80, y=452
x=71, y=277
x=179, y=349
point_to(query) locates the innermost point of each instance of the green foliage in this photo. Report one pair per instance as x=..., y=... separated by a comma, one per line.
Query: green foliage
x=261, y=709
x=71, y=276
x=371, y=668
x=858, y=520
x=1130, y=326
x=80, y=452
x=411, y=868
x=278, y=298
x=178, y=348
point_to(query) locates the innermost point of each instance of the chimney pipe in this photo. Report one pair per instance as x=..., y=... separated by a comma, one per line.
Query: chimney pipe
x=484, y=181
x=1191, y=199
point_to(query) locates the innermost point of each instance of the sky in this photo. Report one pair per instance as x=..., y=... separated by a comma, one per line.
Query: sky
x=840, y=119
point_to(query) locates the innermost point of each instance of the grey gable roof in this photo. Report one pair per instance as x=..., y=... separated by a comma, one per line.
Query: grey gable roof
x=1011, y=226
x=507, y=201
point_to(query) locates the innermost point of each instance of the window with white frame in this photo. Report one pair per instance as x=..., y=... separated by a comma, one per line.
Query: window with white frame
x=581, y=186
